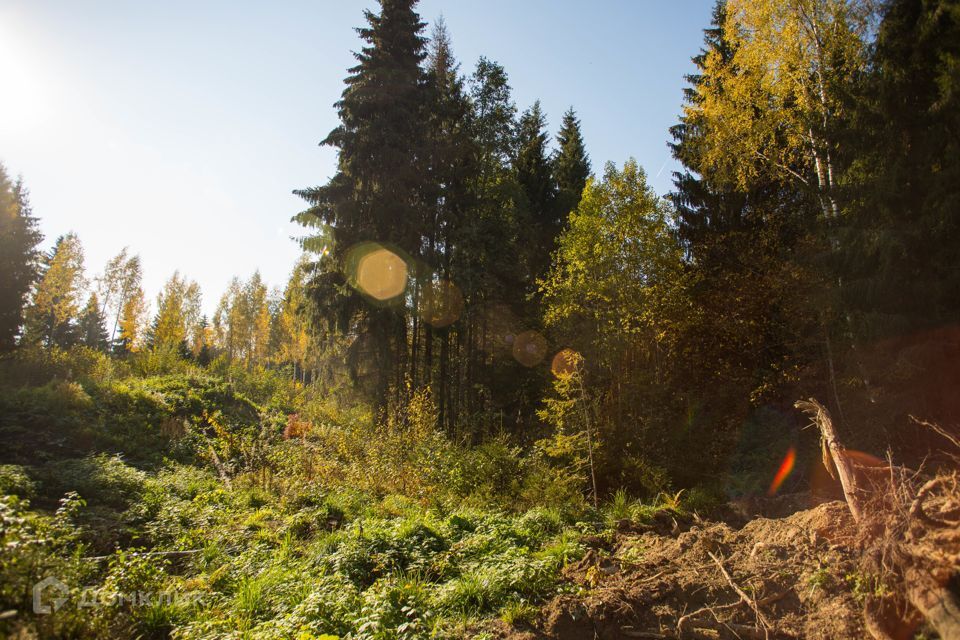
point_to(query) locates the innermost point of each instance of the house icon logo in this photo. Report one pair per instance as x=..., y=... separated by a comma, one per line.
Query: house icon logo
x=58, y=592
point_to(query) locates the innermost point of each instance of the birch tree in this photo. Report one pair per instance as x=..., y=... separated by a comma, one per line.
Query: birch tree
x=51, y=319
x=120, y=279
x=133, y=317
x=178, y=312
x=782, y=101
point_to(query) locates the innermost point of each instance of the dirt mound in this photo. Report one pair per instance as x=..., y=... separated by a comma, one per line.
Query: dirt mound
x=789, y=577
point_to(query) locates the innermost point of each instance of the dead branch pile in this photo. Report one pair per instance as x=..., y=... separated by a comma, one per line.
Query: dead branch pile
x=909, y=535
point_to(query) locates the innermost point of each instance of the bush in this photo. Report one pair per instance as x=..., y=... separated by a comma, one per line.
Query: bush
x=382, y=549
x=161, y=362
x=488, y=473
x=557, y=486
x=14, y=480
x=54, y=420
x=539, y=523
x=33, y=547
x=396, y=607
x=101, y=480
x=703, y=500
x=184, y=481
x=35, y=366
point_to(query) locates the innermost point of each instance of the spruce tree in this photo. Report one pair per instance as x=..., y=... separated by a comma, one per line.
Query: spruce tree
x=91, y=328
x=492, y=260
x=899, y=246
x=19, y=257
x=449, y=225
x=377, y=192
x=534, y=173
x=571, y=165
x=452, y=155
x=501, y=238
x=706, y=205
x=533, y=167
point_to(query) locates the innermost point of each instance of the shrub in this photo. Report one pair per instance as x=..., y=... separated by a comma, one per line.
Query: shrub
x=306, y=497
x=185, y=481
x=382, y=549
x=40, y=423
x=160, y=362
x=101, y=480
x=396, y=607
x=37, y=366
x=562, y=550
x=33, y=547
x=130, y=583
x=325, y=612
x=557, y=486
x=539, y=523
x=488, y=473
x=703, y=500
x=306, y=523
x=14, y=480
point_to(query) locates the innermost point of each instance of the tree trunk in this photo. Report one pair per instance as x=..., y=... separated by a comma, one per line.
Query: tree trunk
x=852, y=491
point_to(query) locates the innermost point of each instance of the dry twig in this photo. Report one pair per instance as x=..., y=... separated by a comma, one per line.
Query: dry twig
x=938, y=430
x=740, y=592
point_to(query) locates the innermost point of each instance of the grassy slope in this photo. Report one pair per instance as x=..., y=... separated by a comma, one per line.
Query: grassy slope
x=347, y=532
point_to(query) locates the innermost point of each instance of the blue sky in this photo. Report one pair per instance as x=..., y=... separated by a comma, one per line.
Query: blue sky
x=179, y=128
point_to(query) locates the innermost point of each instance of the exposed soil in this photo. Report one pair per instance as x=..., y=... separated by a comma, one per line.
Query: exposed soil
x=797, y=575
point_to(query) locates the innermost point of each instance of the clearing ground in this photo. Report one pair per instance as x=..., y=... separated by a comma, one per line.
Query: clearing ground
x=789, y=577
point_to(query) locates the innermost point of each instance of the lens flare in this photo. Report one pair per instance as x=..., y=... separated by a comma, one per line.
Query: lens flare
x=863, y=460
x=376, y=271
x=786, y=467
x=868, y=468
x=529, y=348
x=565, y=362
x=441, y=303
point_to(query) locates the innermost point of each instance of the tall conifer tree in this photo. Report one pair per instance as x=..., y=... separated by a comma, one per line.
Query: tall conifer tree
x=899, y=251
x=706, y=204
x=534, y=173
x=19, y=257
x=377, y=192
x=91, y=328
x=571, y=165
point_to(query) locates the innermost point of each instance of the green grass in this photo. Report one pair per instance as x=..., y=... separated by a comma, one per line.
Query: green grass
x=303, y=539
x=392, y=570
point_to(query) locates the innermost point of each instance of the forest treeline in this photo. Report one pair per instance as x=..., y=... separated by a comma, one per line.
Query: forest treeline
x=808, y=248
x=56, y=304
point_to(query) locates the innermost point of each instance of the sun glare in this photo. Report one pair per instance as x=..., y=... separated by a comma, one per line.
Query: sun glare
x=28, y=99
